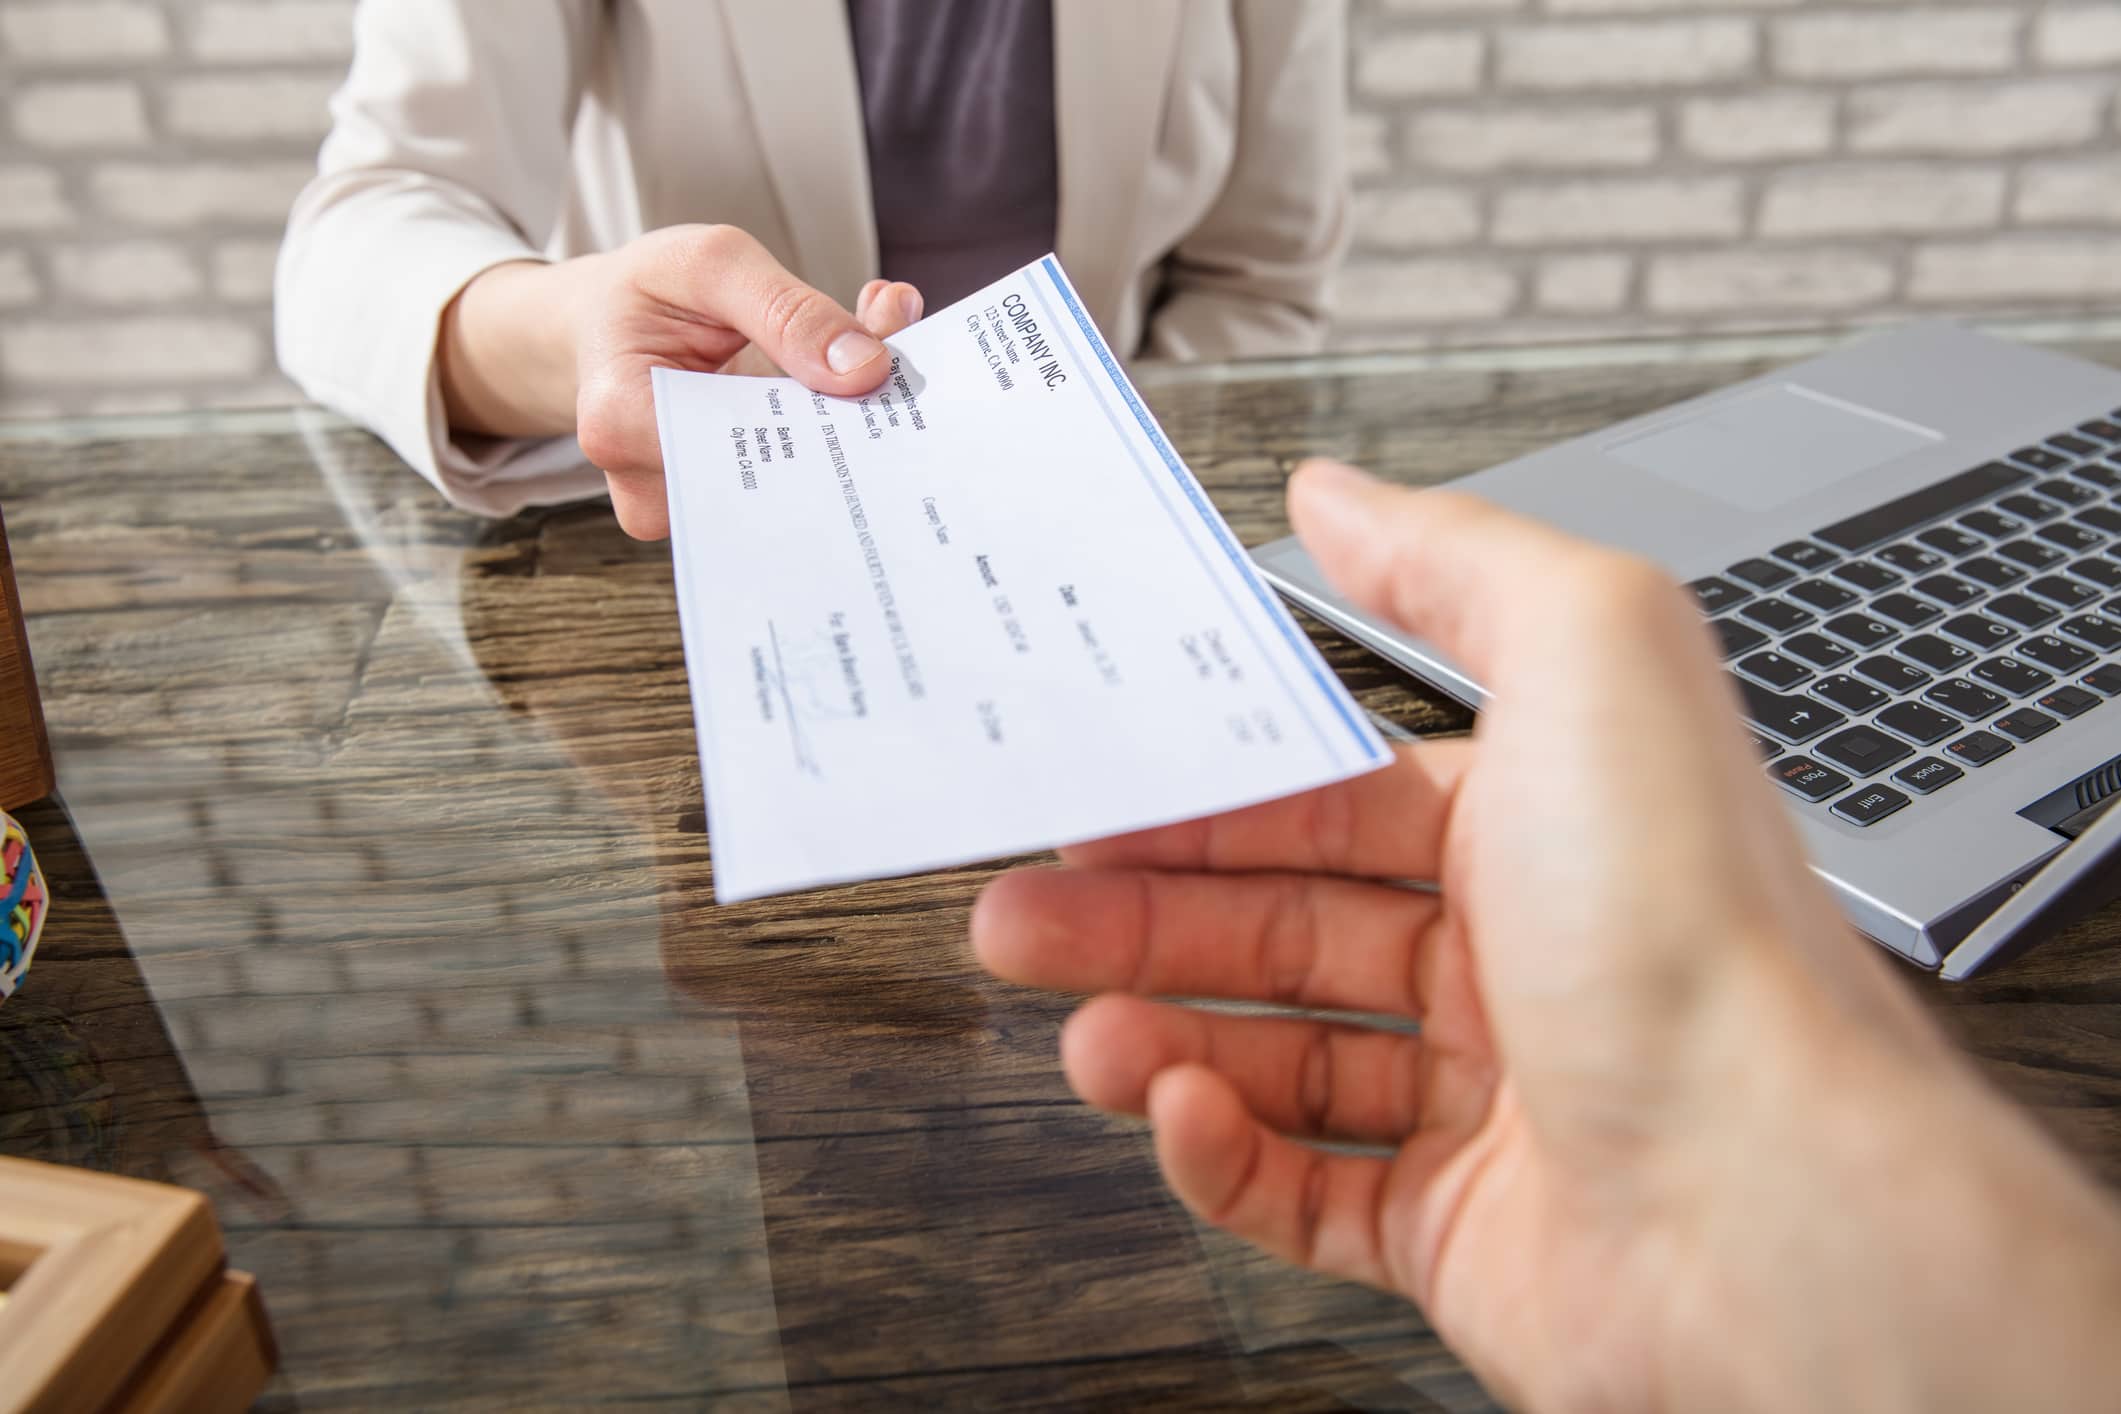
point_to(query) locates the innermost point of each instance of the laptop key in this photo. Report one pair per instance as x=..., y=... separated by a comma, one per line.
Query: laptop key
x=1990, y=525
x=2099, y=474
x=2105, y=431
x=2076, y=539
x=1869, y=805
x=1861, y=629
x=1817, y=649
x=2040, y=458
x=1847, y=693
x=1949, y=590
x=2070, y=493
x=1767, y=748
x=1934, y=653
x=1911, y=559
x=1807, y=556
x=1980, y=632
x=2031, y=553
x=2100, y=632
x=1786, y=718
x=2021, y=609
x=1903, y=513
x=1775, y=615
x=1803, y=776
x=1965, y=699
x=2069, y=593
x=1866, y=575
x=2054, y=654
x=1775, y=670
x=2102, y=518
x=1762, y=574
x=1736, y=637
x=1715, y=595
x=1823, y=595
x=1991, y=572
x=1891, y=674
x=1864, y=751
x=2009, y=675
x=1979, y=748
x=1926, y=775
x=2075, y=446
x=2026, y=506
x=2025, y=723
x=2069, y=701
x=1905, y=609
x=2099, y=570
x=1948, y=541
x=1922, y=725
x=2106, y=677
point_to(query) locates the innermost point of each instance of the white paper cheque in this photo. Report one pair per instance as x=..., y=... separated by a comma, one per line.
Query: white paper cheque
x=983, y=611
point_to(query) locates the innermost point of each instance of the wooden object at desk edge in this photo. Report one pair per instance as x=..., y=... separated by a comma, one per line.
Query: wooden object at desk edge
x=119, y=1299
x=25, y=749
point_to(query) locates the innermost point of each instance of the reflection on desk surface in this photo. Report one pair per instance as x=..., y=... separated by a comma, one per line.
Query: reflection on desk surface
x=388, y=923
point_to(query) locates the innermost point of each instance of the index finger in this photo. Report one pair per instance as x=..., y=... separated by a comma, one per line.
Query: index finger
x=1387, y=824
x=729, y=276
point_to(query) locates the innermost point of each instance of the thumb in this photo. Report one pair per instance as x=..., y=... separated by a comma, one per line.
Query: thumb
x=726, y=275
x=1446, y=566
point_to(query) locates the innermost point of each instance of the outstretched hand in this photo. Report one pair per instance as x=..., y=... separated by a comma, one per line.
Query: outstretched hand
x=531, y=349
x=1630, y=989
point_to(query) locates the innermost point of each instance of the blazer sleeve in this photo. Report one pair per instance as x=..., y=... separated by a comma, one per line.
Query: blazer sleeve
x=1253, y=277
x=449, y=153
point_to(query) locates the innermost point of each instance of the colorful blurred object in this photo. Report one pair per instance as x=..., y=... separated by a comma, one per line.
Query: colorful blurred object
x=24, y=901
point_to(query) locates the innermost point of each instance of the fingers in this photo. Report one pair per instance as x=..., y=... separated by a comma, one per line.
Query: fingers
x=863, y=300
x=1300, y=940
x=1311, y=1078
x=1319, y=1210
x=615, y=425
x=883, y=308
x=1493, y=590
x=724, y=275
x=891, y=308
x=1388, y=824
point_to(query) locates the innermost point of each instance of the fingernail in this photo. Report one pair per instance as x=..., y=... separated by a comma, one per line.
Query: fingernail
x=910, y=304
x=851, y=350
x=1334, y=478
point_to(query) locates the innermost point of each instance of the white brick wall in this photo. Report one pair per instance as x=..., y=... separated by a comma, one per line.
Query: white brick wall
x=1526, y=169
x=1698, y=166
x=149, y=151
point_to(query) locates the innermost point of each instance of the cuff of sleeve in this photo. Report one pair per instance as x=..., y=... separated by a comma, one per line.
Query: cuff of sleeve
x=385, y=371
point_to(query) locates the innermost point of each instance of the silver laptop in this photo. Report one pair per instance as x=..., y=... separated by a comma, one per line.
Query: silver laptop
x=1910, y=552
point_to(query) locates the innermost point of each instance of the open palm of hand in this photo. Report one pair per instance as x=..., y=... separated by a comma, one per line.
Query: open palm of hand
x=1606, y=926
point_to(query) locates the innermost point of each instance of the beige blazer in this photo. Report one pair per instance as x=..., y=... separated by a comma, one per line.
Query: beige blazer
x=1203, y=205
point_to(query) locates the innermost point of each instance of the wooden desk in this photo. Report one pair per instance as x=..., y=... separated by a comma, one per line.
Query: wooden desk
x=390, y=929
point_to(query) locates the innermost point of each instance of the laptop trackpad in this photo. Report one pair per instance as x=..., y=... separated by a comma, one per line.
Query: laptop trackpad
x=1770, y=446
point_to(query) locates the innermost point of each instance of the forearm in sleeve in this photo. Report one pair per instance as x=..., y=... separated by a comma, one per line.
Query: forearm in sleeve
x=449, y=154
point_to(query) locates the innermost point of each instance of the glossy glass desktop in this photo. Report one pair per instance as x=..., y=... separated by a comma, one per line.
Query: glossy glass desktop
x=384, y=917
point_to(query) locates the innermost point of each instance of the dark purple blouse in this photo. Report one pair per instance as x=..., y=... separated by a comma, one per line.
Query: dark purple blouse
x=957, y=96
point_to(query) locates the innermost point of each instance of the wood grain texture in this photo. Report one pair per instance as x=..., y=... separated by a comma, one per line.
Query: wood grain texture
x=387, y=921
x=101, y=1269
x=218, y=1359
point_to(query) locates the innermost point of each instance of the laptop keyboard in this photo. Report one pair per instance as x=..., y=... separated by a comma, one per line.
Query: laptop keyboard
x=1885, y=657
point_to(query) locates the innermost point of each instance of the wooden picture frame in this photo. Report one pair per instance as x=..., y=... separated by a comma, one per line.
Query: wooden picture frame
x=117, y=1298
